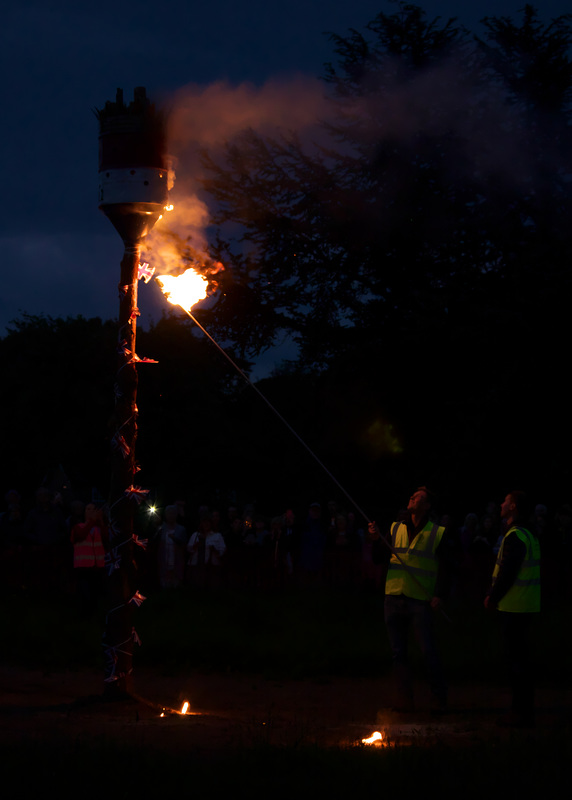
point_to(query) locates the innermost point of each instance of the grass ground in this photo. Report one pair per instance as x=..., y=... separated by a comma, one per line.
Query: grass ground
x=294, y=634
x=317, y=635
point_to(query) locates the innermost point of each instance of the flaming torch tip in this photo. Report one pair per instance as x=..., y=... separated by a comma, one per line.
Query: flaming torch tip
x=184, y=290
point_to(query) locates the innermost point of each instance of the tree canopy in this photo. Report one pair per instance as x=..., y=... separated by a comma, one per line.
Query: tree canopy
x=440, y=179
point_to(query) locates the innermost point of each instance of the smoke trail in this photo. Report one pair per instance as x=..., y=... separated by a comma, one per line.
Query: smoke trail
x=456, y=101
x=209, y=117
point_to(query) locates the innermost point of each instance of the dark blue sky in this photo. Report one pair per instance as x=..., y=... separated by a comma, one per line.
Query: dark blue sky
x=62, y=59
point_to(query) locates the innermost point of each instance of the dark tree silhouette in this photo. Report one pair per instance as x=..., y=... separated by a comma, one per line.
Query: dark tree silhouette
x=56, y=398
x=443, y=181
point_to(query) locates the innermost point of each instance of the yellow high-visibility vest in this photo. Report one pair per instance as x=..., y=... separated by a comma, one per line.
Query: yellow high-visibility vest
x=524, y=595
x=414, y=573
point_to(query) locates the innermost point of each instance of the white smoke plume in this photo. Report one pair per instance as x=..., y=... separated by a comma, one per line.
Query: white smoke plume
x=208, y=117
x=445, y=100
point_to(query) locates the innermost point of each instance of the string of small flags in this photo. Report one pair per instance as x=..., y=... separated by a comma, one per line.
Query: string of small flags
x=144, y=273
x=112, y=653
x=135, y=493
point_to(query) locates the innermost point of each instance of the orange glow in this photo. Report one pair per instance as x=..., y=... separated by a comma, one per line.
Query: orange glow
x=184, y=290
x=185, y=708
x=375, y=738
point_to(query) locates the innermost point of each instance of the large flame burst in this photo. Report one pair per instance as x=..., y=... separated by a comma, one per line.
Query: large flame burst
x=184, y=290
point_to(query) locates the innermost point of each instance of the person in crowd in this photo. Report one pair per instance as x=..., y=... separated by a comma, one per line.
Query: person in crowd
x=344, y=554
x=539, y=524
x=313, y=544
x=332, y=514
x=234, y=557
x=46, y=543
x=285, y=540
x=171, y=541
x=11, y=521
x=245, y=557
x=262, y=553
x=206, y=549
x=464, y=588
x=88, y=558
x=373, y=572
x=45, y=523
x=216, y=521
x=231, y=516
x=515, y=595
x=468, y=531
x=489, y=529
x=76, y=515
x=480, y=561
x=563, y=536
x=181, y=512
x=11, y=527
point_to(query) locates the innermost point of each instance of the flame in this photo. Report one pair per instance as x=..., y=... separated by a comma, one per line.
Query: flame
x=184, y=290
x=375, y=738
x=184, y=710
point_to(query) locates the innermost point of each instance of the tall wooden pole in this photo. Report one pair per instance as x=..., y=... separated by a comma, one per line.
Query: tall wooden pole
x=134, y=180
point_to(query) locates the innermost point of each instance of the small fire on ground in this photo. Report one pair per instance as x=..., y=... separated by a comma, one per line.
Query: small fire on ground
x=183, y=712
x=376, y=738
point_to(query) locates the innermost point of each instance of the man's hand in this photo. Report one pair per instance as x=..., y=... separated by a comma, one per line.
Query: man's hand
x=488, y=604
x=436, y=603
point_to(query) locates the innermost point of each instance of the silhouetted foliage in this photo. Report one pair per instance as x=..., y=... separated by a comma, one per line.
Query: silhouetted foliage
x=56, y=397
x=532, y=59
x=443, y=182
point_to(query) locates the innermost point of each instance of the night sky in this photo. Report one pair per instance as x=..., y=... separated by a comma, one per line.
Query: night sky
x=61, y=60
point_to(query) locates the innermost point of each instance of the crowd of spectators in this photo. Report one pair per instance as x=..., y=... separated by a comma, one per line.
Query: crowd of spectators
x=322, y=545
x=243, y=548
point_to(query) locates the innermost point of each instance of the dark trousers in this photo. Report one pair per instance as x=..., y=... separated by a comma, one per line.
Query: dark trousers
x=401, y=615
x=515, y=629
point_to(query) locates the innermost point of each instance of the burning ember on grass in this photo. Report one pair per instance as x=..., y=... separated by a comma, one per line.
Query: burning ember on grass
x=375, y=739
x=173, y=711
x=184, y=290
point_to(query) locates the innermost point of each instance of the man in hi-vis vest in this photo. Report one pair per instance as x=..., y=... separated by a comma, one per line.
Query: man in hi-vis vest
x=515, y=594
x=416, y=583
